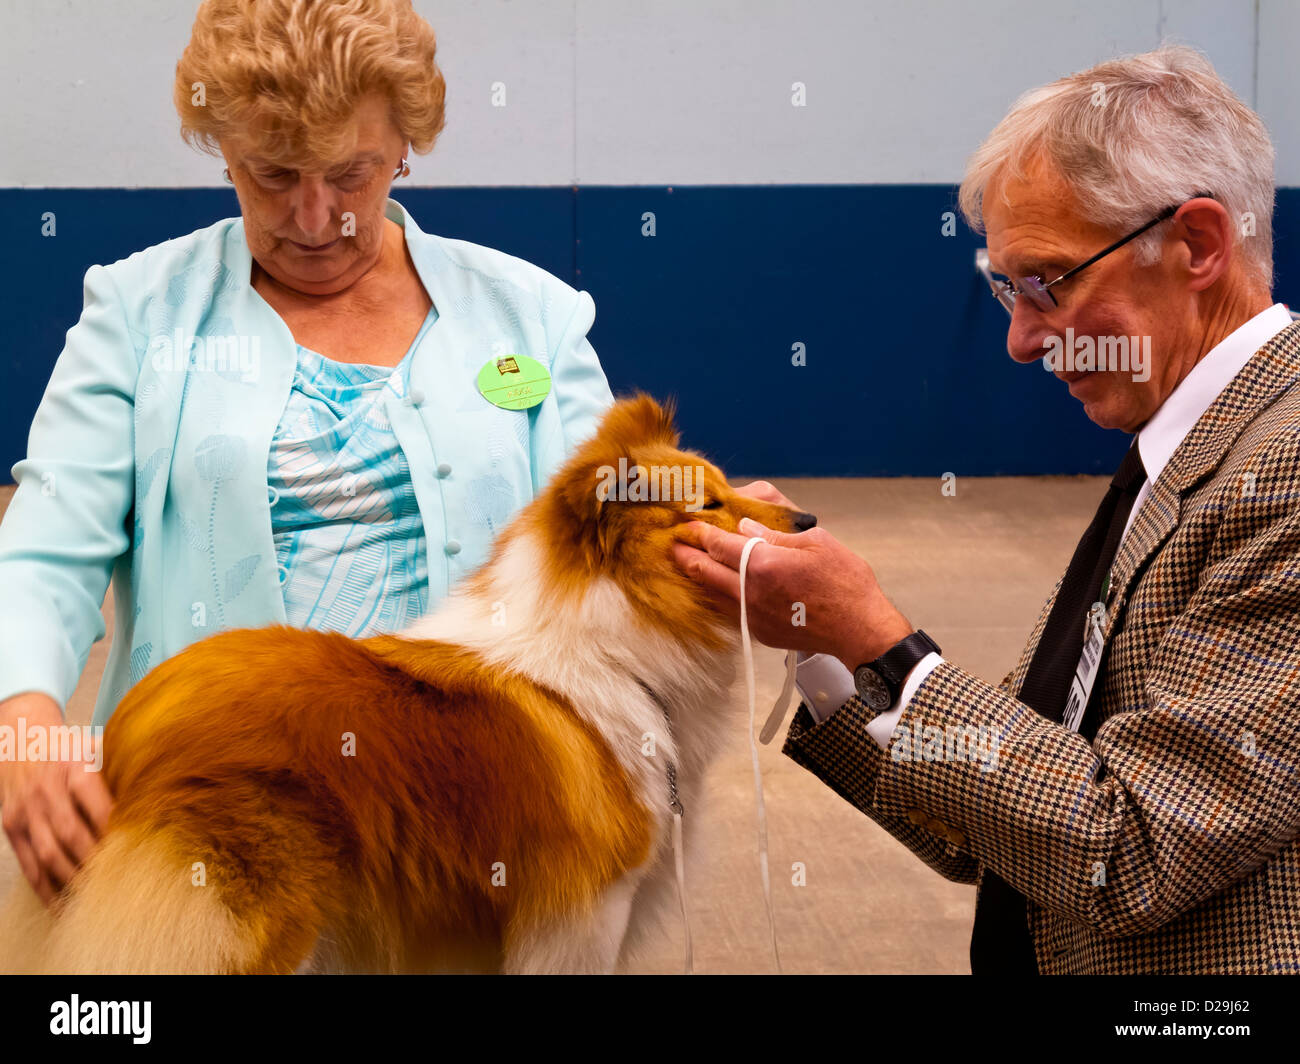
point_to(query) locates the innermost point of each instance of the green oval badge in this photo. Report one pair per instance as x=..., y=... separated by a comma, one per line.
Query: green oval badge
x=514, y=382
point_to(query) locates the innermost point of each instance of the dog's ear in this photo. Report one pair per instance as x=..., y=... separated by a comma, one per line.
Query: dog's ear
x=591, y=480
x=587, y=498
x=635, y=422
x=652, y=422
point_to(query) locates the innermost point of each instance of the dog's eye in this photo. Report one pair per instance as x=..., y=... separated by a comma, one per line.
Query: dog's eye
x=716, y=504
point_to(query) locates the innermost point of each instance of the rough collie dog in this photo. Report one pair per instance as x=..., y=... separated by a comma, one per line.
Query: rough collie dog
x=487, y=790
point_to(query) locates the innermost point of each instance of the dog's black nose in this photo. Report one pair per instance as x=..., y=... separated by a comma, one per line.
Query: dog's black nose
x=803, y=522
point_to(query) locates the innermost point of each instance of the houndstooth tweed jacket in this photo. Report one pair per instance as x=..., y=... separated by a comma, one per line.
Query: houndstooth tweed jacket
x=1171, y=842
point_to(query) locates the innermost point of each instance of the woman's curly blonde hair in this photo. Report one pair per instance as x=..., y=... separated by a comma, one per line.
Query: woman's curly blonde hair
x=290, y=73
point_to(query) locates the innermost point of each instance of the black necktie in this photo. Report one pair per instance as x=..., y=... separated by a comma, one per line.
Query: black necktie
x=1000, y=942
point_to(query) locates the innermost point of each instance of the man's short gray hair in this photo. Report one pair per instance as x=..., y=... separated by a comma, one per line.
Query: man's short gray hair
x=1133, y=136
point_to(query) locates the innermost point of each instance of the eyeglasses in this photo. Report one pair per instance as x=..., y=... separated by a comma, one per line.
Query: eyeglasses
x=403, y=170
x=1036, y=289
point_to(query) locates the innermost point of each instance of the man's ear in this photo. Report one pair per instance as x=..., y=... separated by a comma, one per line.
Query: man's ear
x=1207, y=231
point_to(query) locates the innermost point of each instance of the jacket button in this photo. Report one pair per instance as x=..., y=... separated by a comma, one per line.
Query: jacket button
x=917, y=817
x=937, y=826
x=415, y=398
x=444, y=470
x=452, y=547
x=956, y=837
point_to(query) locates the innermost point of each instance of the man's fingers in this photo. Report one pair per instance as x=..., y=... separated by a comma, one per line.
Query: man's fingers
x=728, y=607
x=761, y=489
x=722, y=582
x=750, y=528
x=726, y=547
x=708, y=571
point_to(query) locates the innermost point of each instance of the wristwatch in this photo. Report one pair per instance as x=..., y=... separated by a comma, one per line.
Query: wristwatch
x=880, y=682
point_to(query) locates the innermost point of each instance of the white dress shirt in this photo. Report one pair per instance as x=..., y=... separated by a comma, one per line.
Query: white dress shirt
x=826, y=684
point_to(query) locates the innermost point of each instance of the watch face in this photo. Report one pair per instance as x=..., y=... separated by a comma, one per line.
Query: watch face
x=872, y=688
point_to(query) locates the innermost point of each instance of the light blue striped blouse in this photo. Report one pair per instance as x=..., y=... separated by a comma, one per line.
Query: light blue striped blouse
x=348, y=535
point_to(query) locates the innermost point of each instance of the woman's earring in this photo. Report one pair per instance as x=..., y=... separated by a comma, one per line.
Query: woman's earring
x=226, y=174
x=402, y=171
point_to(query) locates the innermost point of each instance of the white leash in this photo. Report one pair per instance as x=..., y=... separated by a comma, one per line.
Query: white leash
x=681, y=886
x=769, y=730
x=675, y=804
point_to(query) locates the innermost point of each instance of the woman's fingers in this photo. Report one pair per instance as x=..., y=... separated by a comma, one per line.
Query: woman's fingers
x=52, y=819
x=91, y=795
x=30, y=866
x=71, y=828
x=57, y=866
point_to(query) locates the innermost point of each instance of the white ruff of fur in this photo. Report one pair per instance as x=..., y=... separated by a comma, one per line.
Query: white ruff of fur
x=592, y=649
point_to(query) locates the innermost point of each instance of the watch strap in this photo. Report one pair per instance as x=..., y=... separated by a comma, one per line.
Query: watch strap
x=896, y=662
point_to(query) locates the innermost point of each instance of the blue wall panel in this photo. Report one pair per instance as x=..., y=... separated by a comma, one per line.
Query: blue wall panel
x=907, y=371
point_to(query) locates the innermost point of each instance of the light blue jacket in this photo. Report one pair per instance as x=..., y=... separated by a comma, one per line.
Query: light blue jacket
x=149, y=465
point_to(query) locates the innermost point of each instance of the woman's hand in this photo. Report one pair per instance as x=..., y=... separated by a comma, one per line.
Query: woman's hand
x=52, y=810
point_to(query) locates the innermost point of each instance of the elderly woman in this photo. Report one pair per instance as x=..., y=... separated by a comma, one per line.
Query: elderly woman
x=285, y=417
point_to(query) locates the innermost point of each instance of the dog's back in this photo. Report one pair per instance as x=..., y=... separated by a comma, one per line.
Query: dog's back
x=293, y=799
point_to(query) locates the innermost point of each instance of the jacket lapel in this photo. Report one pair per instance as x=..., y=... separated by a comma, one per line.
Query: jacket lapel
x=243, y=578
x=1270, y=371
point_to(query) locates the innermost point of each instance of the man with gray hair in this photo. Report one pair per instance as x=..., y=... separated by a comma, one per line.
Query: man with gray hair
x=1144, y=813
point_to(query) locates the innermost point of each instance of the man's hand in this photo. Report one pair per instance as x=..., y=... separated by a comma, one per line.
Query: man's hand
x=53, y=811
x=761, y=489
x=844, y=612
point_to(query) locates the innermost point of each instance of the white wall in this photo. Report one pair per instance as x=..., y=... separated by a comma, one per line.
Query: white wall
x=646, y=91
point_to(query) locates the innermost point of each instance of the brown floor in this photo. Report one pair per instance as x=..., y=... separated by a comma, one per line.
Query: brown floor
x=973, y=570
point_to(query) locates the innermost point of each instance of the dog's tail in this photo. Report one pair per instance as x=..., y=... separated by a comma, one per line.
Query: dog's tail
x=135, y=906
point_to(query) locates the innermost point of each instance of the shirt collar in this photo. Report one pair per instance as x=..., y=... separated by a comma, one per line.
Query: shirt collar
x=1165, y=430
x=424, y=253
x=397, y=213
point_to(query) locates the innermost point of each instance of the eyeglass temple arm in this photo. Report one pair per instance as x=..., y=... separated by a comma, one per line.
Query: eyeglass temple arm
x=1168, y=212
